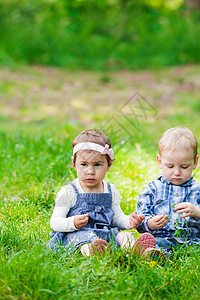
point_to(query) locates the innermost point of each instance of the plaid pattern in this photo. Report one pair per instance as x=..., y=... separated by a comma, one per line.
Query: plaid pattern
x=159, y=197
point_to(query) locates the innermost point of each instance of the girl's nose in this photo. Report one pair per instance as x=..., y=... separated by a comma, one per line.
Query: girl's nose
x=90, y=170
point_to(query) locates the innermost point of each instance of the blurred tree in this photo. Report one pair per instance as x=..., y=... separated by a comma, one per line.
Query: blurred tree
x=99, y=34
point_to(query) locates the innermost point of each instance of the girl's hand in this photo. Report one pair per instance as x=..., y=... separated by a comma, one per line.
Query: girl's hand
x=135, y=220
x=157, y=222
x=80, y=221
x=188, y=210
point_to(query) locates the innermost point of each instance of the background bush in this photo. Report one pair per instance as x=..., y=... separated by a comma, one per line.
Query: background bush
x=98, y=34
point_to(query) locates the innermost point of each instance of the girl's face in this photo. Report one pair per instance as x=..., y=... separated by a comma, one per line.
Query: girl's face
x=91, y=167
x=177, y=166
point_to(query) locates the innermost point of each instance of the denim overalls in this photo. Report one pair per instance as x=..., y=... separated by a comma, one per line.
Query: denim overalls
x=99, y=208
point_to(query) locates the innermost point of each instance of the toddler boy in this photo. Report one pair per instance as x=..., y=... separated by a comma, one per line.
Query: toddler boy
x=171, y=203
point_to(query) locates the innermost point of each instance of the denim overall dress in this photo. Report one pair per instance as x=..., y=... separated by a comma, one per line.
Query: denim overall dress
x=99, y=208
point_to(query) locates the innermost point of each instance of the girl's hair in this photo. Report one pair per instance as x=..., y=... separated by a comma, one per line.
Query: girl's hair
x=178, y=138
x=93, y=136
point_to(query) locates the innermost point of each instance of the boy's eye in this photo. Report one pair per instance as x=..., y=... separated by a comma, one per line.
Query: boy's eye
x=170, y=167
x=184, y=167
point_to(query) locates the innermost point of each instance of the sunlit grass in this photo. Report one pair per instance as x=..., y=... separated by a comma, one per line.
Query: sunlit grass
x=36, y=161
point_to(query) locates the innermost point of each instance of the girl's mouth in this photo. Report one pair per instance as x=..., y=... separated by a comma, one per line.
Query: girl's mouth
x=90, y=179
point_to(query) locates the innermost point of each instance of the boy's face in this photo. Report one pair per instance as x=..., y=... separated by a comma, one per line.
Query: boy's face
x=91, y=167
x=177, y=166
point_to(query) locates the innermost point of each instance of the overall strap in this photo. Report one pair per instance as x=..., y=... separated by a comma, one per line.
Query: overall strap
x=109, y=187
x=73, y=185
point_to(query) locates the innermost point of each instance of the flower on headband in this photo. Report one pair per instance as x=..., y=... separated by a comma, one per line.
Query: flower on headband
x=108, y=151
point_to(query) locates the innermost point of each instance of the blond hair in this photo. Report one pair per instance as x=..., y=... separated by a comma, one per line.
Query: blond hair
x=178, y=138
x=93, y=136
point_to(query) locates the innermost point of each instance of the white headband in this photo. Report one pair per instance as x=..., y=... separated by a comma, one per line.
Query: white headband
x=95, y=147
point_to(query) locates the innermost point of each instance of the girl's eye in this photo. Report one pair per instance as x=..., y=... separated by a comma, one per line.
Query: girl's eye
x=83, y=165
x=97, y=165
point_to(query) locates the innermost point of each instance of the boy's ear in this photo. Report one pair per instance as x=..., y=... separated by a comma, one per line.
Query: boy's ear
x=196, y=162
x=159, y=161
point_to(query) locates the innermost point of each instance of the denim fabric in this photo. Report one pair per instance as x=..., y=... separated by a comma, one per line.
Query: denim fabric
x=168, y=245
x=98, y=206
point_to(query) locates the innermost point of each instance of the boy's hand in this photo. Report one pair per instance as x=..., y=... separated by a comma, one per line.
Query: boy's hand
x=135, y=220
x=188, y=210
x=157, y=222
x=80, y=221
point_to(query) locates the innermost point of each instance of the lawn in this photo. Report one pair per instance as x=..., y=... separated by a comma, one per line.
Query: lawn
x=41, y=111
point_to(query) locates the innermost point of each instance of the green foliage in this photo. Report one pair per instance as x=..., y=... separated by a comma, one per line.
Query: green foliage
x=97, y=34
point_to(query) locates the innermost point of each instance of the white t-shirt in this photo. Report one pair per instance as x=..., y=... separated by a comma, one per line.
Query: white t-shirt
x=66, y=198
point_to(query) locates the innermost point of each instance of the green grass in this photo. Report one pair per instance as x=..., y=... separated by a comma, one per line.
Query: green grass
x=34, y=155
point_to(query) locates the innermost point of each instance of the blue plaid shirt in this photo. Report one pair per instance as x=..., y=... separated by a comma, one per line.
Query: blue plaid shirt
x=159, y=197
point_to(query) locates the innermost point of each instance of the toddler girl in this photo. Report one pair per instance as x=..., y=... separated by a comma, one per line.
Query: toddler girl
x=87, y=213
